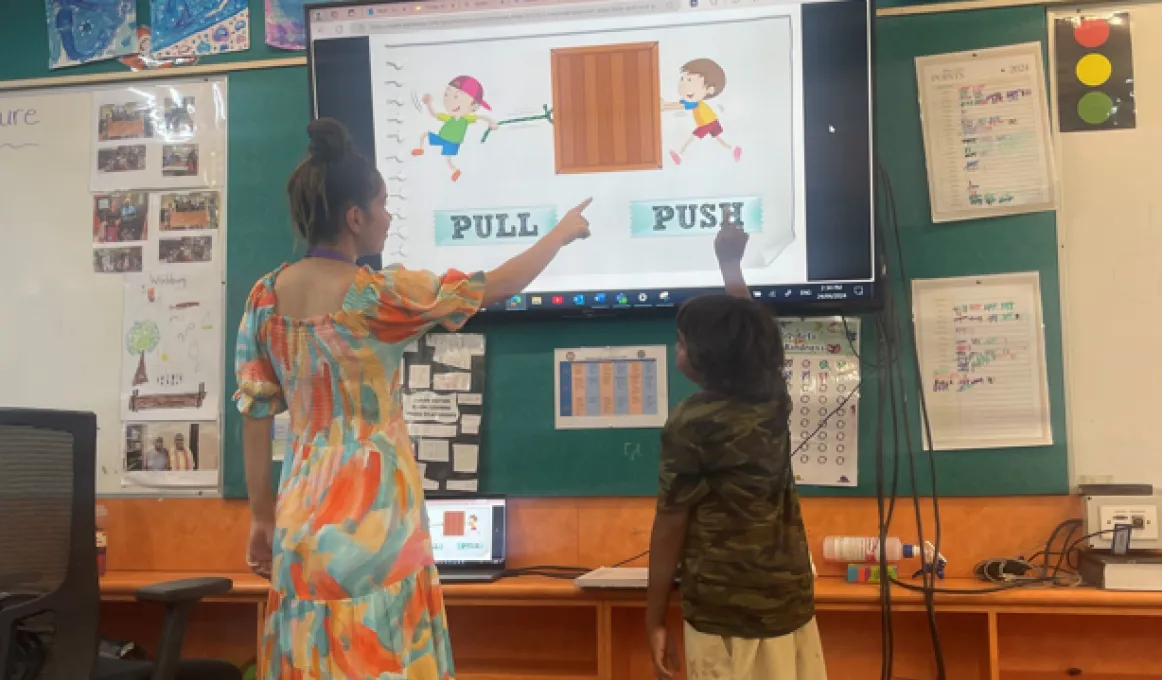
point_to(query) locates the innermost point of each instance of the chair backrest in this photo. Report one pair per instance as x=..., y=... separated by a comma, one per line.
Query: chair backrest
x=48, y=554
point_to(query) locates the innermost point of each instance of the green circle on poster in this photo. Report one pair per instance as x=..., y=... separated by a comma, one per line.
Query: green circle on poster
x=1095, y=108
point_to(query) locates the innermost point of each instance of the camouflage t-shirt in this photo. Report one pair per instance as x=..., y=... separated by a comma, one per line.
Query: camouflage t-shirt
x=746, y=570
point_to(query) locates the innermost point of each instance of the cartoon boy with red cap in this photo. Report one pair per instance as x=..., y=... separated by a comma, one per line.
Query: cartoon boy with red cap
x=463, y=97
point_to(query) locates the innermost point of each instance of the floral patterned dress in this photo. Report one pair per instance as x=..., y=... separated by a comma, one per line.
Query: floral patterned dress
x=355, y=590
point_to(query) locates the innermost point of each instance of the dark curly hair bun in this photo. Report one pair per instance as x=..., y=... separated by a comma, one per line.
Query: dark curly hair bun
x=330, y=141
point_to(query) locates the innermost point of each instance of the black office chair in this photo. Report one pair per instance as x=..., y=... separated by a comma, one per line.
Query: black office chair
x=48, y=561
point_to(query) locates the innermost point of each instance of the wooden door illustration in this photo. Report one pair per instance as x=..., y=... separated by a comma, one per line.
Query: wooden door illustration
x=607, y=108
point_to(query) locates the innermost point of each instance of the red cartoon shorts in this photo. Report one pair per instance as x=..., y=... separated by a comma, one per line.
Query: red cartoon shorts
x=713, y=128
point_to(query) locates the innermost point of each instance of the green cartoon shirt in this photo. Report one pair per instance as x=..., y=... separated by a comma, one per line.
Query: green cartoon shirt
x=454, y=129
x=746, y=570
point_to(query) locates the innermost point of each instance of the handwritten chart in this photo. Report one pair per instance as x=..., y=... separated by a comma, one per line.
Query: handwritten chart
x=172, y=346
x=986, y=132
x=611, y=387
x=823, y=379
x=982, y=359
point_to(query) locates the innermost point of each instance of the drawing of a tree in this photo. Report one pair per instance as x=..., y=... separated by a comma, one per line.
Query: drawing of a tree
x=143, y=337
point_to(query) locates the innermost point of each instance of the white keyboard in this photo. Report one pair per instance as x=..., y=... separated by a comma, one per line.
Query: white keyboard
x=614, y=577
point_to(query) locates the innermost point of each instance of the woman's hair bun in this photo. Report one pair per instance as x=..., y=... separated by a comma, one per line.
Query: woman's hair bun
x=329, y=140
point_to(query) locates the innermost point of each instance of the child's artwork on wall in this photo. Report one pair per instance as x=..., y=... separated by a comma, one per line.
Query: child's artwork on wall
x=80, y=31
x=284, y=24
x=172, y=342
x=184, y=28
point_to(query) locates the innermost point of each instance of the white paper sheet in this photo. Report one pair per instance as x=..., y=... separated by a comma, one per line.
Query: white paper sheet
x=429, y=406
x=462, y=485
x=987, y=141
x=473, y=343
x=172, y=346
x=280, y=436
x=452, y=382
x=982, y=359
x=429, y=430
x=470, y=423
x=420, y=377
x=465, y=458
x=455, y=357
x=823, y=379
x=470, y=399
x=433, y=450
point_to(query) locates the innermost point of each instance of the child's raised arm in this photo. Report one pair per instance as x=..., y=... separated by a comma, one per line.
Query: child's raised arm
x=729, y=246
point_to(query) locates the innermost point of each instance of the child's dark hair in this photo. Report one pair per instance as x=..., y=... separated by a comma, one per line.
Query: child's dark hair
x=733, y=345
x=713, y=77
x=330, y=180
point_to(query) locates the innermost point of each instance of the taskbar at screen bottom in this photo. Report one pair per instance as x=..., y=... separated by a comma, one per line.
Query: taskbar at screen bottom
x=798, y=295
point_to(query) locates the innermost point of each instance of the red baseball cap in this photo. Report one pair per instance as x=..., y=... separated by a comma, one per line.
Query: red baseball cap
x=472, y=88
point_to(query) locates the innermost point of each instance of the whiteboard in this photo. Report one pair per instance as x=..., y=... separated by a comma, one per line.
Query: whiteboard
x=1110, y=232
x=61, y=345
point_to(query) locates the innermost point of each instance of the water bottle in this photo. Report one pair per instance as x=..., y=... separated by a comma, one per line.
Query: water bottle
x=861, y=549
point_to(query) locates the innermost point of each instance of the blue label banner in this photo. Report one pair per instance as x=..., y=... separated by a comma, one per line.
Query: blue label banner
x=694, y=216
x=494, y=226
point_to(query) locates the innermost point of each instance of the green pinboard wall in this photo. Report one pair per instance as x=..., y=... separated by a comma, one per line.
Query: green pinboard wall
x=523, y=453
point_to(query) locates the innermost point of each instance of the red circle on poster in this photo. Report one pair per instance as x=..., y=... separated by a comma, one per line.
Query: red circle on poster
x=1092, y=32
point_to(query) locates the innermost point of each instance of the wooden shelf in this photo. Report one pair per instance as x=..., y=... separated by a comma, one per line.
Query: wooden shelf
x=545, y=629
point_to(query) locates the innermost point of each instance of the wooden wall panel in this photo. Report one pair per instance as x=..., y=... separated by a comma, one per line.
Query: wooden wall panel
x=210, y=535
x=606, y=108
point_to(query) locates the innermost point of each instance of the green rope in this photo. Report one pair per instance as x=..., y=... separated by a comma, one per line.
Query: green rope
x=547, y=115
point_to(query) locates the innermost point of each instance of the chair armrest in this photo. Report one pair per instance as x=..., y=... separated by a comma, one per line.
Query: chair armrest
x=184, y=590
x=179, y=598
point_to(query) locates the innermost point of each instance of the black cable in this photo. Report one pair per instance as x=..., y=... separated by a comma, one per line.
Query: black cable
x=896, y=387
x=631, y=559
x=887, y=640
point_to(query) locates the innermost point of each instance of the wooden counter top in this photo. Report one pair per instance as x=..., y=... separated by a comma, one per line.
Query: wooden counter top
x=830, y=593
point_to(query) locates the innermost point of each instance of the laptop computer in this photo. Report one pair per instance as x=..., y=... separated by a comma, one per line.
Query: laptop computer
x=469, y=535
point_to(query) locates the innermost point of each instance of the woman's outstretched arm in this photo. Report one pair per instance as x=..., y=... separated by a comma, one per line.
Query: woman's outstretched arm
x=515, y=275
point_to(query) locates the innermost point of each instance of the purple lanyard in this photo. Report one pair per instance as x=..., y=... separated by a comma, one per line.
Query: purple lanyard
x=328, y=254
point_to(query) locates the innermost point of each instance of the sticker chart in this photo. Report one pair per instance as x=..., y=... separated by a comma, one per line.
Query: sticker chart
x=987, y=142
x=442, y=378
x=611, y=387
x=982, y=358
x=823, y=378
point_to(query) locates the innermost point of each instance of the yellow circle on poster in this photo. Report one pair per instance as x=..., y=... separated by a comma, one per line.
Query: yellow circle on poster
x=1094, y=69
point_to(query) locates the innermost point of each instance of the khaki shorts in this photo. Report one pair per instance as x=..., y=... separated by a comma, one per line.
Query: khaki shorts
x=796, y=656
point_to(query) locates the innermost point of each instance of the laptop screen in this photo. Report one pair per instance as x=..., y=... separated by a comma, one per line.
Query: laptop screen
x=467, y=531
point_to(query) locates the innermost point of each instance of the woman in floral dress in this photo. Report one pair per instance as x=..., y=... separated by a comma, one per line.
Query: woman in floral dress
x=355, y=591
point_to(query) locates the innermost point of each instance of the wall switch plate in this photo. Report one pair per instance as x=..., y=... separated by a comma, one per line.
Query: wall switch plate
x=1142, y=513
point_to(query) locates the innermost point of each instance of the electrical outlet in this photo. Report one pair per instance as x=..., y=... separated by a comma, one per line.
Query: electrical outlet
x=1142, y=518
x=1140, y=512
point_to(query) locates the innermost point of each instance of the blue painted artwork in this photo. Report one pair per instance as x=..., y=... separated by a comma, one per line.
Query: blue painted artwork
x=284, y=24
x=80, y=31
x=197, y=27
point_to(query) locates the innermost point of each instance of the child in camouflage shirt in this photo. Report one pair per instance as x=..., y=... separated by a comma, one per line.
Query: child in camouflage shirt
x=728, y=510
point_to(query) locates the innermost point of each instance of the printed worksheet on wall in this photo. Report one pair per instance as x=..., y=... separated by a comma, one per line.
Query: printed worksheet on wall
x=987, y=142
x=981, y=346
